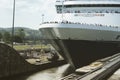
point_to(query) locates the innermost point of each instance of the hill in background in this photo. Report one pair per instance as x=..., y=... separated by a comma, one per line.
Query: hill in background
x=30, y=34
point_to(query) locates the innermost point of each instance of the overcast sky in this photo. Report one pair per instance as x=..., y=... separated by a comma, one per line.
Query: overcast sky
x=28, y=13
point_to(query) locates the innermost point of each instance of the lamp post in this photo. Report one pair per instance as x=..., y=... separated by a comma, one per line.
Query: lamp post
x=42, y=18
x=13, y=21
x=62, y=9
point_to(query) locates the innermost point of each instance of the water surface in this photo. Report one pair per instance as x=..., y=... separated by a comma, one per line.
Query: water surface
x=48, y=74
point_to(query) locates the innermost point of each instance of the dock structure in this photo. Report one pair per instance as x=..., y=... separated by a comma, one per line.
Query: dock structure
x=11, y=63
x=102, y=72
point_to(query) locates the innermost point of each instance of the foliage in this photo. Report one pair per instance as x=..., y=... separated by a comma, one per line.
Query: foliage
x=26, y=34
x=1, y=36
x=21, y=33
x=17, y=39
x=7, y=37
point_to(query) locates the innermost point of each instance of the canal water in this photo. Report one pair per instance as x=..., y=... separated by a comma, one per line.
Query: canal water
x=49, y=74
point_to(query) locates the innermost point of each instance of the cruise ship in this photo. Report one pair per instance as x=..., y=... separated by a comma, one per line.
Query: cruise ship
x=82, y=43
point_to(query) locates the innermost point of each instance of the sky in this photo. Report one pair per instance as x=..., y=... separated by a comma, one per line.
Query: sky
x=29, y=13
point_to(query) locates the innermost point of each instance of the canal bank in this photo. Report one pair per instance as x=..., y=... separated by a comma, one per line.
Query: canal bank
x=11, y=63
x=54, y=73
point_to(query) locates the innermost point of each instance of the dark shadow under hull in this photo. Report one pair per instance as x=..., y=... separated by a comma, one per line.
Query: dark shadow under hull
x=81, y=53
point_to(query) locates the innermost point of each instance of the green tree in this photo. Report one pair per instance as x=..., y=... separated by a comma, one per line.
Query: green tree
x=1, y=36
x=17, y=39
x=21, y=34
x=7, y=37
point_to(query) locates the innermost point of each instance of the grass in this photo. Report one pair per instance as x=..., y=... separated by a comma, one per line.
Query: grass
x=24, y=47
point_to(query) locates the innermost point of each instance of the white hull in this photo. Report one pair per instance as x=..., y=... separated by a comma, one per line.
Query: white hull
x=82, y=42
x=82, y=32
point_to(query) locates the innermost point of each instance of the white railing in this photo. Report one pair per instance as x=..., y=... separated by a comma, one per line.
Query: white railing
x=67, y=22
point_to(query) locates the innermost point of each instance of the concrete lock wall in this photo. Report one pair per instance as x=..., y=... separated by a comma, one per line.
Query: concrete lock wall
x=11, y=62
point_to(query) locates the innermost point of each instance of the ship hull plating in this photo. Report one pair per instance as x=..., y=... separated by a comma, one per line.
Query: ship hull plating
x=81, y=46
x=84, y=52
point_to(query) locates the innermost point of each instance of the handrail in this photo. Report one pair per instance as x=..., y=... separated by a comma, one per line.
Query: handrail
x=68, y=22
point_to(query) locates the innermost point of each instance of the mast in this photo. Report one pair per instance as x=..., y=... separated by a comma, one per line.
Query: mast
x=62, y=9
x=42, y=18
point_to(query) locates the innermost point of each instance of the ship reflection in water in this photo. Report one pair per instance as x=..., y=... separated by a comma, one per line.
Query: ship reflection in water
x=49, y=74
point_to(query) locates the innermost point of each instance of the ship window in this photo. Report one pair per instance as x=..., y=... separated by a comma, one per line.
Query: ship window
x=75, y=11
x=93, y=5
x=78, y=11
x=68, y=11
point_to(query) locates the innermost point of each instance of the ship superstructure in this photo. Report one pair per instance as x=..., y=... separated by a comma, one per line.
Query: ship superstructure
x=81, y=43
x=88, y=6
